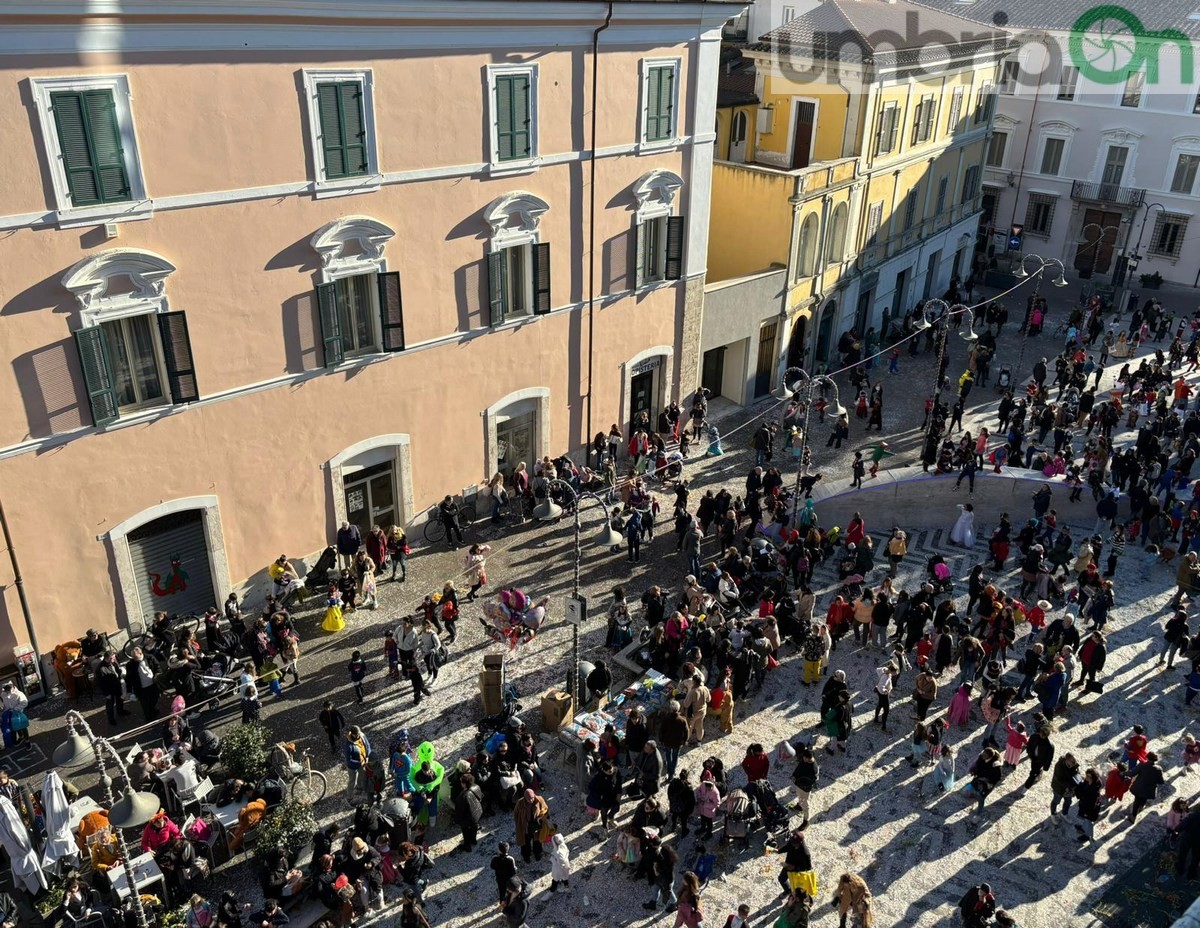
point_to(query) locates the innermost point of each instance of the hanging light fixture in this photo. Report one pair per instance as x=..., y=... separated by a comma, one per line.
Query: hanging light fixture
x=609, y=537
x=547, y=510
x=76, y=751
x=134, y=809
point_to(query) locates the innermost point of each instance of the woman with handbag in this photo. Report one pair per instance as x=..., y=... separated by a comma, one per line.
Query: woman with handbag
x=475, y=568
x=398, y=551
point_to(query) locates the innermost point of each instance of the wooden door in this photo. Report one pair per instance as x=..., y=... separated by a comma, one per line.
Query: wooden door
x=805, y=120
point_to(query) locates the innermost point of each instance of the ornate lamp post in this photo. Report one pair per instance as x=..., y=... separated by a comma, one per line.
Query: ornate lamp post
x=939, y=313
x=132, y=810
x=794, y=380
x=1022, y=272
x=549, y=511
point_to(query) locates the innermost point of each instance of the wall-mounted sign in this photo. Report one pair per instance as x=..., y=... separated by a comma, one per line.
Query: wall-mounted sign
x=648, y=365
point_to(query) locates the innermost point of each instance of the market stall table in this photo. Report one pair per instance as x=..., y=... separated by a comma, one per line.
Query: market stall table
x=651, y=692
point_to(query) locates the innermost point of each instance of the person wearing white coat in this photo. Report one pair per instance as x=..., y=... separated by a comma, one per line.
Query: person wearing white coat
x=963, y=532
x=560, y=864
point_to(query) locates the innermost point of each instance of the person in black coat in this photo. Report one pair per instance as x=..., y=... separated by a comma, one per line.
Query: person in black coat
x=604, y=793
x=140, y=675
x=1041, y=755
x=468, y=810
x=829, y=693
x=1146, y=780
x=681, y=801
x=1188, y=852
x=110, y=676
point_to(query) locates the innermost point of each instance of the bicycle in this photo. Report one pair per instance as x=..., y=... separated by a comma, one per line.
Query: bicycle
x=435, y=531
x=310, y=785
x=141, y=637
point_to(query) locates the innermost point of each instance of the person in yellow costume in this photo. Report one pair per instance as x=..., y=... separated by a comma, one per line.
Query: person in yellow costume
x=334, y=622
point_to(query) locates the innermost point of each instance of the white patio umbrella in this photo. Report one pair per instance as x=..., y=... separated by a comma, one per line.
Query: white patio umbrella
x=26, y=870
x=60, y=843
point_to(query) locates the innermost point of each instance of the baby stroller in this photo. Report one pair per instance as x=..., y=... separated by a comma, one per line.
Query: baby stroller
x=1004, y=378
x=939, y=575
x=740, y=815
x=214, y=684
x=771, y=812
x=317, y=579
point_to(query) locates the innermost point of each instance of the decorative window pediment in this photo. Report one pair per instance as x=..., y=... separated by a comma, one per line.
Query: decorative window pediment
x=119, y=282
x=1121, y=136
x=1059, y=126
x=351, y=245
x=514, y=219
x=655, y=193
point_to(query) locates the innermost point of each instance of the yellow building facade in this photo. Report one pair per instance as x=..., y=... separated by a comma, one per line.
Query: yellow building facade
x=855, y=176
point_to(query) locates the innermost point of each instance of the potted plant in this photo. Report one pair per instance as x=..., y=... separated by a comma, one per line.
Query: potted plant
x=290, y=826
x=176, y=917
x=49, y=904
x=244, y=752
x=1151, y=281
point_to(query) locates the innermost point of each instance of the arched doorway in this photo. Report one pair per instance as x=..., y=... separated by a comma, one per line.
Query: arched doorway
x=796, y=346
x=825, y=331
x=737, y=137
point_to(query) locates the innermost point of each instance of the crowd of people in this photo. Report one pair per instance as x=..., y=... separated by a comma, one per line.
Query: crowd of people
x=994, y=663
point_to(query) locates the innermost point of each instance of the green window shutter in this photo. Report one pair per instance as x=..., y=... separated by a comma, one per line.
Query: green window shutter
x=331, y=325
x=177, y=351
x=676, y=229
x=354, y=127
x=541, y=278
x=90, y=139
x=639, y=255
x=97, y=375
x=660, y=103
x=497, y=287
x=343, y=129
x=391, y=312
x=513, y=117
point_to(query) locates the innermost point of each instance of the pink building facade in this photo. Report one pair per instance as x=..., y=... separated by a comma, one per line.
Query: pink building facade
x=311, y=262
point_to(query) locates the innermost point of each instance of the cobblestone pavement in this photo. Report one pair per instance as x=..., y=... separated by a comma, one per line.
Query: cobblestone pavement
x=918, y=854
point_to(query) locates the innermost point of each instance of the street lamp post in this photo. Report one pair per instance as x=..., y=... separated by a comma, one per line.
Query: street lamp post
x=132, y=810
x=1134, y=259
x=794, y=379
x=1060, y=281
x=945, y=312
x=549, y=511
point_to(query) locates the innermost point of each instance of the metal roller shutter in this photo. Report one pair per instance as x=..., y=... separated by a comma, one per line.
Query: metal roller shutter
x=163, y=584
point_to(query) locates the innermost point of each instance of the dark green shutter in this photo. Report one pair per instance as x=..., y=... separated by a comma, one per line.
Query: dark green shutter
x=497, y=287
x=676, y=228
x=343, y=129
x=660, y=102
x=541, y=278
x=331, y=325
x=513, y=117
x=391, y=312
x=97, y=375
x=90, y=139
x=639, y=254
x=177, y=351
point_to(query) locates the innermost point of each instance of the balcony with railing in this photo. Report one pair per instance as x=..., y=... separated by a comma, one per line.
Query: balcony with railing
x=1110, y=194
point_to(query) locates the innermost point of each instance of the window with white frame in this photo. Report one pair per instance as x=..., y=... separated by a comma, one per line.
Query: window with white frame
x=660, y=96
x=923, y=119
x=806, y=247
x=358, y=299
x=789, y=13
x=888, y=130
x=1052, y=154
x=996, y=146
x=835, y=246
x=341, y=120
x=1183, y=180
x=1135, y=86
x=1068, y=80
x=88, y=134
x=518, y=262
x=1039, y=214
x=910, y=207
x=135, y=354
x=874, y=221
x=956, y=105
x=984, y=103
x=970, y=184
x=1169, y=232
x=658, y=234
x=1012, y=73
x=513, y=111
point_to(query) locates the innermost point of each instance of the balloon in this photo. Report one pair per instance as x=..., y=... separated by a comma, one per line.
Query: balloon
x=535, y=617
x=520, y=602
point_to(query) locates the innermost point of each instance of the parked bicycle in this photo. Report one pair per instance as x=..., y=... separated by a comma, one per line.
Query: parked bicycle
x=310, y=785
x=435, y=530
x=160, y=634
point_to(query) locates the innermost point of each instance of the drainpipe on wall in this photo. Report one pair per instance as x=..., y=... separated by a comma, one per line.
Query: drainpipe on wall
x=19, y=581
x=587, y=435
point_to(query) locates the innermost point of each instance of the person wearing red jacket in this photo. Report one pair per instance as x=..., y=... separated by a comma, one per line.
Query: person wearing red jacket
x=756, y=763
